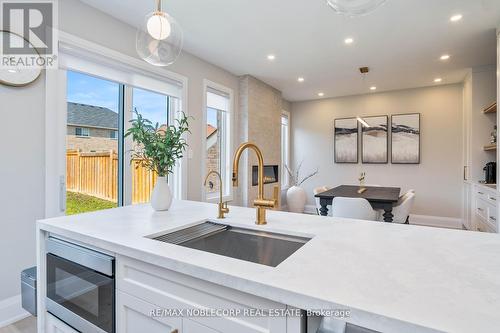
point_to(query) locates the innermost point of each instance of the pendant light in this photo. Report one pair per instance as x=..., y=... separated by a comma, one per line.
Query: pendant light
x=354, y=8
x=159, y=38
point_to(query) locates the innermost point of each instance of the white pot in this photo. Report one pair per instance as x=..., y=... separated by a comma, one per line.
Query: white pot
x=296, y=199
x=161, y=198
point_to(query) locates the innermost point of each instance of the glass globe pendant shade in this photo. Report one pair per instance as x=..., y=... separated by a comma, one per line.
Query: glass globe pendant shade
x=353, y=8
x=159, y=39
x=158, y=26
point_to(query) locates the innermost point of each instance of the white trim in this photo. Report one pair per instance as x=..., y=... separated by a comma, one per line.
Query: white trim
x=55, y=112
x=55, y=142
x=423, y=220
x=436, y=221
x=207, y=85
x=11, y=311
x=283, y=163
x=310, y=209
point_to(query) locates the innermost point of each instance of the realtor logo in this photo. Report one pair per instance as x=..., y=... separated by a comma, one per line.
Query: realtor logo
x=28, y=30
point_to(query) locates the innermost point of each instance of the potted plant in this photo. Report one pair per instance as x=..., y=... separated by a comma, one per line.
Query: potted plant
x=157, y=149
x=296, y=197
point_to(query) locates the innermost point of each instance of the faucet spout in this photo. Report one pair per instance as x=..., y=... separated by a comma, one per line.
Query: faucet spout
x=223, y=209
x=260, y=203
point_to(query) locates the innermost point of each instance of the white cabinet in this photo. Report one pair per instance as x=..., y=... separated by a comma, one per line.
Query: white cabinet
x=467, y=207
x=135, y=315
x=190, y=326
x=484, y=209
x=54, y=325
x=143, y=287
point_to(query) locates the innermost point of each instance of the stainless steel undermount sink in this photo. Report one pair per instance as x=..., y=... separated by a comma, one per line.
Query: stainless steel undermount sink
x=245, y=244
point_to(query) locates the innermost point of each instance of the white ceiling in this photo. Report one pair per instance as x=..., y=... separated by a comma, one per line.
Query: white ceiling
x=401, y=41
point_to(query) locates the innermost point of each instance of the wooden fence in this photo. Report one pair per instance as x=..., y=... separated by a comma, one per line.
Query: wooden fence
x=96, y=174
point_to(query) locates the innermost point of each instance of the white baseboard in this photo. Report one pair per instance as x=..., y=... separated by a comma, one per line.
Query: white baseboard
x=310, y=209
x=426, y=220
x=11, y=311
x=436, y=221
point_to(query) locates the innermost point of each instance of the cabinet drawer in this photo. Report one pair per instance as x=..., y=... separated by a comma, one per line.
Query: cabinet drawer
x=136, y=315
x=171, y=290
x=480, y=193
x=493, y=217
x=190, y=326
x=482, y=208
x=492, y=198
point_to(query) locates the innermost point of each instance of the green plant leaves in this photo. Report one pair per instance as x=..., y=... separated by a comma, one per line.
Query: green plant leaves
x=158, y=147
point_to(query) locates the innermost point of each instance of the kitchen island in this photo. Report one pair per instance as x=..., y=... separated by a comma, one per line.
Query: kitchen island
x=389, y=277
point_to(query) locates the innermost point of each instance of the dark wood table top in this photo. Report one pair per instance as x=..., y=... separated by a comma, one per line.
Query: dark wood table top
x=372, y=193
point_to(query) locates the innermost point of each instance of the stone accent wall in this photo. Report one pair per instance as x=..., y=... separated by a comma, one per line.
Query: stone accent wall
x=260, y=123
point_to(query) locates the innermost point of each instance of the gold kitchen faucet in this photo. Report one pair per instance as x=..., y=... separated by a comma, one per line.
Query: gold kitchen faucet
x=261, y=203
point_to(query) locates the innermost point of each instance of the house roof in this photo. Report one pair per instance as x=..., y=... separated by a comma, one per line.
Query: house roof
x=91, y=116
x=210, y=130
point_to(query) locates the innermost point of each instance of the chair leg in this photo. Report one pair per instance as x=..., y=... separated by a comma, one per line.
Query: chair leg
x=407, y=220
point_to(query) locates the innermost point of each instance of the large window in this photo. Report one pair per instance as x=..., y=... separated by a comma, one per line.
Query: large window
x=285, y=147
x=218, y=142
x=155, y=107
x=97, y=155
x=93, y=110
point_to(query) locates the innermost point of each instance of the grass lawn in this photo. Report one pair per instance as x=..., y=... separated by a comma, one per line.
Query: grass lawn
x=77, y=203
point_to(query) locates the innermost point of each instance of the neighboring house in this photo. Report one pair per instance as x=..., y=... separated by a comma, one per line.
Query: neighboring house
x=212, y=162
x=91, y=128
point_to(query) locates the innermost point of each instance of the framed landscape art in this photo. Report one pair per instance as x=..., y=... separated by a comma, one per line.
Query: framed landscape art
x=405, y=138
x=346, y=140
x=374, y=141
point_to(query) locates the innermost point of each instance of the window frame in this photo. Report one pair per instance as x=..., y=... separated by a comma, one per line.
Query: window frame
x=113, y=134
x=81, y=55
x=285, y=179
x=82, y=130
x=229, y=138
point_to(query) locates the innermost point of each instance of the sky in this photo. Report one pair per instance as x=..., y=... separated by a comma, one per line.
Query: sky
x=86, y=89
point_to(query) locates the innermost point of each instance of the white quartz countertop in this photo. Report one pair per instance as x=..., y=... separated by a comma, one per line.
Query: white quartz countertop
x=393, y=278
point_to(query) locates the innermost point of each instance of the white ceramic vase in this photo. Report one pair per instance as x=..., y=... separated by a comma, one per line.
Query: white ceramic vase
x=296, y=199
x=161, y=197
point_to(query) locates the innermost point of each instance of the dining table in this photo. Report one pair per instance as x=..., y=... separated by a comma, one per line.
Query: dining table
x=379, y=197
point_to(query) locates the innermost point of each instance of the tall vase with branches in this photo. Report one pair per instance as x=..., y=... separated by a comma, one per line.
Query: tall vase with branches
x=296, y=197
x=158, y=148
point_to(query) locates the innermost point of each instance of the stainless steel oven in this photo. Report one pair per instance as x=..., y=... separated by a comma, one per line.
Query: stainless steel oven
x=80, y=286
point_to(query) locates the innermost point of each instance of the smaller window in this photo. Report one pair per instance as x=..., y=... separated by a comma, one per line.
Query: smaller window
x=82, y=131
x=285, y=148
x=113, y=135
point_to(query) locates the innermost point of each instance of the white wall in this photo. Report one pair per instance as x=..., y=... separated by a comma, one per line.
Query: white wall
x=437, y=180
x=23, y=135
x=21, y=181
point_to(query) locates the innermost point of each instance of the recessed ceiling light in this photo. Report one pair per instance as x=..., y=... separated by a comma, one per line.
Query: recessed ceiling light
x=348, y=40
x=437, y=80
x=444, y=57
x=271, y=57
x=456, y=18
x=300, y=79
x=373, y=88
x=321, y=94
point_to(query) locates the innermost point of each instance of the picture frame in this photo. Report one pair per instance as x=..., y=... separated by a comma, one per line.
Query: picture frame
x=346, y=140
x=375, y=139
x=405, y=138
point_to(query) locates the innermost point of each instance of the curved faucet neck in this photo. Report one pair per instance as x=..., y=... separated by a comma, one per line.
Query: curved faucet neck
x=260, y=158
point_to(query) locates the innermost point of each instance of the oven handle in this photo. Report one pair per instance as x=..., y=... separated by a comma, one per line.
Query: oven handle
x=97, y=261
